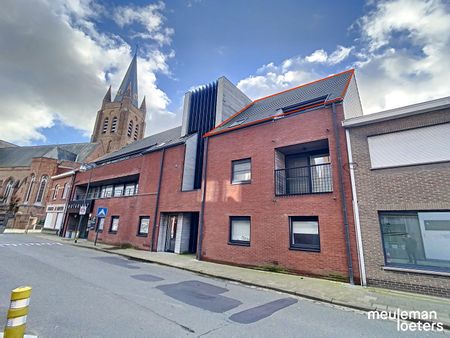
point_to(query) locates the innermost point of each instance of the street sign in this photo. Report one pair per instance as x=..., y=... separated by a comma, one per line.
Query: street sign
x=83, y=209
x=102, y=212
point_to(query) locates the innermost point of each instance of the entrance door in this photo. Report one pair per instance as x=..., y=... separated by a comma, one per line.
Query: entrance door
x=171, y=233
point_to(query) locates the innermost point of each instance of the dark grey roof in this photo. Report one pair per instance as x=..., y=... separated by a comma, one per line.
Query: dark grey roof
x=4, y=144
x=22, y=156
x=153, y=142
x=330, y=88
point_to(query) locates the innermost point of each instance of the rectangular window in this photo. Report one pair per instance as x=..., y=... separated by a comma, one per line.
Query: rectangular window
x=118, y=190
x=241, y=171
x=107, y=191
x=144, y=223
x=410, y=147
x=417, y=240
x=240, y=230
x=101, y=224
x=129, y=189
x=304, y=233
x=114, y=224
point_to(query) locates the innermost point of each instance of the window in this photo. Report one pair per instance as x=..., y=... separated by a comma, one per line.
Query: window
x=8, y=191
x=114, y=224
x=304, y=233
x=105, y=125
x=65, y=191
x=410, y=147
x=101, y=224
x=30, y=188
x=129, y=189
x=55, y=192
x=118, y=190
x=416, y=239
x=107, y=191
x=130, y=128
x=41, y=189
x=241, y=171
x=114, y=124
x=144, y=223
x=136, y=132
x=240, y=230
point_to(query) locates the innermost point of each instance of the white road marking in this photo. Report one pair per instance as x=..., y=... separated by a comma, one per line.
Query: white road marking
x=3, y=245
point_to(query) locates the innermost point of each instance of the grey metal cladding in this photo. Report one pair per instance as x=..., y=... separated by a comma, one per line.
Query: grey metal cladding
x=157, y=141
x=331, y=87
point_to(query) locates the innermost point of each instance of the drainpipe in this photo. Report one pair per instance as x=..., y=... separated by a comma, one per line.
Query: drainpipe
x=202, y=209
x=155, y=216
x=362, y=266
x=343, y=197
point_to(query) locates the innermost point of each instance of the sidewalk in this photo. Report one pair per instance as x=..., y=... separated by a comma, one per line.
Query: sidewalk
x=353, y=296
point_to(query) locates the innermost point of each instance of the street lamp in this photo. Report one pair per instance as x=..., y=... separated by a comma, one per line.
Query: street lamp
x=83, y=168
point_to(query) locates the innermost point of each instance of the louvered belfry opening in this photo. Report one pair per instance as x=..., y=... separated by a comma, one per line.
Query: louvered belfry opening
x=202, y=117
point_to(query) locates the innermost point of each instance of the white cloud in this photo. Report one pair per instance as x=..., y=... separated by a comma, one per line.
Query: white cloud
x=402, y=57
x=318, y=56
x=150, y=17
x=58, y=65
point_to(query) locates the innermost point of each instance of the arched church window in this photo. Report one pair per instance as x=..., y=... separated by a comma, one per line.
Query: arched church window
x=30, y=188
x=41, y=190
x=55, y=192
x=114, y=124
x=105, y=124
x=130, y=128
x=136, y=132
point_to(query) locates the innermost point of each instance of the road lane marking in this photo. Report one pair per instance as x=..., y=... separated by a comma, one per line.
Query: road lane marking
x=5, y=245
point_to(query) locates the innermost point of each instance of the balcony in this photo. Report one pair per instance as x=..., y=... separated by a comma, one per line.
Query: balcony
x=312, y=179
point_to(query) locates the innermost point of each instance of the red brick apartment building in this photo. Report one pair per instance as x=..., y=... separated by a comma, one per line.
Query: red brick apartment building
x=255, y=183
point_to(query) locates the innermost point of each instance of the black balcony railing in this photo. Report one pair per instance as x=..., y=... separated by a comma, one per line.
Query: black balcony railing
x=312, y=179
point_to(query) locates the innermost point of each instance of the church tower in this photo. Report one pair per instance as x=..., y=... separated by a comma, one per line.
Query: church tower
x=122, y=121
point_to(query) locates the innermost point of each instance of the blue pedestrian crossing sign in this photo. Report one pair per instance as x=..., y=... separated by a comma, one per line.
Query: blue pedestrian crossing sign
x=102, y=212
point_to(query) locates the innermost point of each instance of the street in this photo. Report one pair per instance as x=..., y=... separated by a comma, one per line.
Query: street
x=79, y=292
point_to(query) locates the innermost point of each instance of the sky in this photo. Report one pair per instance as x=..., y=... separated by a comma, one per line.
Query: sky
x=58, y=57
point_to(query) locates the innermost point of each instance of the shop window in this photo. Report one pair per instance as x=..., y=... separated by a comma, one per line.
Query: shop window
x=419, y=240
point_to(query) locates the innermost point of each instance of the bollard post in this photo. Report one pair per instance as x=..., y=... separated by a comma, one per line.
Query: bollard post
x=17, y=313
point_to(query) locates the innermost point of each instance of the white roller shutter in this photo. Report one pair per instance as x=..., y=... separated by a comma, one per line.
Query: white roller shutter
x=414, y=146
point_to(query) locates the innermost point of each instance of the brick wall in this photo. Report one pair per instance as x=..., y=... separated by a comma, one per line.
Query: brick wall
x=420, y=187
x=270, y=214
x=130, y=208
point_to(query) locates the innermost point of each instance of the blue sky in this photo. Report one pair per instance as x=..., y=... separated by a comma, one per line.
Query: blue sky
x=80, y=47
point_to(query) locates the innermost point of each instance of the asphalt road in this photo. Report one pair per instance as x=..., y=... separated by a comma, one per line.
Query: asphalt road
x=79, y=292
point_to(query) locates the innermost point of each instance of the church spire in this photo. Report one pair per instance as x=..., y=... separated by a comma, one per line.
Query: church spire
x=129, y=82
x=107, y=97
x=143, y=107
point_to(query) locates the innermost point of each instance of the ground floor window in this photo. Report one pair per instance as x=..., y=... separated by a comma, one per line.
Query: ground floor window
x=240, y=230
x=416, y=239
x=144, y=223
x=114, y=224
x=304, y=233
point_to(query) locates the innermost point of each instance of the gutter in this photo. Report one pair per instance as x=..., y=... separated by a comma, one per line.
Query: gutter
x=66, y=174
x=155, y=216
x=359, y=244
x=343, y=197
x=202, y=209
